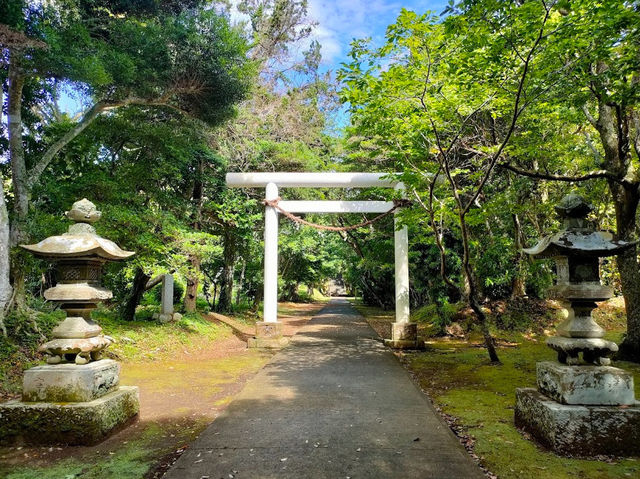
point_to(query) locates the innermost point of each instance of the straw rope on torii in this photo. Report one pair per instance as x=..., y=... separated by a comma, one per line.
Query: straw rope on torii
x=397, y=203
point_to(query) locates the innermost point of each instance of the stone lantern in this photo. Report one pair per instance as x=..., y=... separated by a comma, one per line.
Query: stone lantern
x=76, y=398
x=80, y=255
x=582, y=405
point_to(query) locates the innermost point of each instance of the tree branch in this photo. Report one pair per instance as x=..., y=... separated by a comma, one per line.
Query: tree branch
x=589, y=116
x=517, y=110
x=553, y=177
x=90, y=115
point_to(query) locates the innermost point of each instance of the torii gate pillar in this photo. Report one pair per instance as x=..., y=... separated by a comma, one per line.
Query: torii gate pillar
x=404, y=334
x=269, y=331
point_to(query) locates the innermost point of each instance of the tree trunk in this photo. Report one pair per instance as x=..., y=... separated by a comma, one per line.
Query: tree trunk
x=626, y=205
x=472, y=292
x=135, y=295
x=291, y=293
x=19, y=178
x=226, y=282
x=16, y=149
x=258, y=298
x=193, y=276
x=193, y=281
x=5, y=279
x=241, y=281
x=613, y=127
x=518, y=287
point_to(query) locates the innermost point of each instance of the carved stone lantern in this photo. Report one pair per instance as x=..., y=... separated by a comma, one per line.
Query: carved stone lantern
x=576, y=251
x=582, y=405
x=76, y=398
x=80, y=255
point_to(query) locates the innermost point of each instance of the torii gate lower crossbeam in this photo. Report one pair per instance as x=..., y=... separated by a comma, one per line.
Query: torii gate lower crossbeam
x=269, y=331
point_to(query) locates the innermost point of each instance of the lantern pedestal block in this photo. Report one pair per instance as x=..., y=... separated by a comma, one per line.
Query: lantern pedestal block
x=579, y=430
x=585, y=385
x=70, y=382
x=69, y=404
x=68, y=423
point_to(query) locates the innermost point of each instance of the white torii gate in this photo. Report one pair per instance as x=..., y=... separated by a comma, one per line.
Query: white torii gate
x=269, y=332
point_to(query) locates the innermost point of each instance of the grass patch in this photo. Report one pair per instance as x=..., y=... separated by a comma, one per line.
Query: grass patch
x=460, y=380
x=140, y=340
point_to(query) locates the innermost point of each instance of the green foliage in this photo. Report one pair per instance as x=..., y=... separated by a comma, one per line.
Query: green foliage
x=437, y=315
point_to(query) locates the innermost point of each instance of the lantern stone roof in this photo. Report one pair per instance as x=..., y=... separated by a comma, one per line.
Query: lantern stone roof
x=81, y=240
x=578, y=238
x=78, y=245
x=578, y=243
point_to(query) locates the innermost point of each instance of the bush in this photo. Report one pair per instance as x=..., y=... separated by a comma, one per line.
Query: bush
x=439, y=315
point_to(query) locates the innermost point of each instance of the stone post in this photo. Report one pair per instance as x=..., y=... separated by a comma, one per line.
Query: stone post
x=166, y=296
x=167, y=312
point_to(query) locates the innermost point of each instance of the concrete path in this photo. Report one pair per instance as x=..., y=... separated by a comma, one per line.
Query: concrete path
x=335, y=404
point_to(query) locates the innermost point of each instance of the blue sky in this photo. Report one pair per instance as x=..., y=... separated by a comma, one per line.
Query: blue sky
x=341, y=21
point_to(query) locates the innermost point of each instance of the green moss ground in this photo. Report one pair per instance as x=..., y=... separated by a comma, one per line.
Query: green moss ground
x=462, y=383
x=131, y=460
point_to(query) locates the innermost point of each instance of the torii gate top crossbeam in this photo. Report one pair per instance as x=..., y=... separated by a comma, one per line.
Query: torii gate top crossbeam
x=311, y=180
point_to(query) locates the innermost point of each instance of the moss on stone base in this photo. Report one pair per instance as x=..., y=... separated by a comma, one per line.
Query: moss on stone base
x=583, y=431
x=83, y=423
x=267, y=343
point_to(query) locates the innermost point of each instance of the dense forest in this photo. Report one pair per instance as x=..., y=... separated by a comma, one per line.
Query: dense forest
x=489, y=111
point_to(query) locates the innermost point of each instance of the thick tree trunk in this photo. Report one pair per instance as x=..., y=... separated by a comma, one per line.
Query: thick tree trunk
x=193, y=276
x=19, y=178
x=5, y=280
x=626, y=204
x=291, y=293
x=613, y=127
x=138, y=288
x=241, y=281
x=226, y=282
x=16, y=150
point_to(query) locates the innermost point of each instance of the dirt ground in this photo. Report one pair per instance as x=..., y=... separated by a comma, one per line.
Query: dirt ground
x=178, y=399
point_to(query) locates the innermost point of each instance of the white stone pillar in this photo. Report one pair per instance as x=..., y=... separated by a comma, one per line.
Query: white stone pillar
x=271, y=257
x=401, y=246
x=404, y=335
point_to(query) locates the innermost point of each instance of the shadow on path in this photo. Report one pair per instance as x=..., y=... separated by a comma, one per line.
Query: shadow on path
x=334, y=404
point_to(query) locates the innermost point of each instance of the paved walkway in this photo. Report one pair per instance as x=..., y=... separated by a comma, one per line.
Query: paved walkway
x=335, y=404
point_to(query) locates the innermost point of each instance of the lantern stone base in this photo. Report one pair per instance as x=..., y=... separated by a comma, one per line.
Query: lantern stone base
x=79, y=423
x=70, y=382
x=268, y=336
x=579, y=430
x=404, y=336
x=585, y=385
